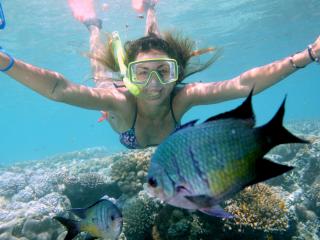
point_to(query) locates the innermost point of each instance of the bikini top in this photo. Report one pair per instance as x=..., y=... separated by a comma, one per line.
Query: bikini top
x=129, y=139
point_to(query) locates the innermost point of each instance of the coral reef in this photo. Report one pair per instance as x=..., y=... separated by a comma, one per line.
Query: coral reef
x=260, y=213
x=286, y=207
x=33, y=192
x=32, y=220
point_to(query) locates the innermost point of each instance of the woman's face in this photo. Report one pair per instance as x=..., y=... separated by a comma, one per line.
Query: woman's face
x=154, y=91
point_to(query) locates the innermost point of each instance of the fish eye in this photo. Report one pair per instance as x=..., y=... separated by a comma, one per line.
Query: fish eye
x=152, y=182
x=112, y=217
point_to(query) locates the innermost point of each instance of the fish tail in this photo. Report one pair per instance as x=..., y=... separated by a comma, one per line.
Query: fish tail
x=266, y=169
x=276, y=133
x=71, y=225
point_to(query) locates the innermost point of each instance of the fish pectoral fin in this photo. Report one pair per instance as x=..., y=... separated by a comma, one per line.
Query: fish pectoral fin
x=216, y=211
x=202, y=201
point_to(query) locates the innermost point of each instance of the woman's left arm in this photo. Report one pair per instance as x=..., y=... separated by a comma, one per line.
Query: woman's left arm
x=260, y=78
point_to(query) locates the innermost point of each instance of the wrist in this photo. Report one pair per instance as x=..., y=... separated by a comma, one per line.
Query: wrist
x=93, y=22
x=299, y=60
x=312, y=54
x=6, y=62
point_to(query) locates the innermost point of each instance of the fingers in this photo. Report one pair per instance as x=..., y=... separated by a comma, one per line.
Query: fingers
x=82, y=9
x=137, y=5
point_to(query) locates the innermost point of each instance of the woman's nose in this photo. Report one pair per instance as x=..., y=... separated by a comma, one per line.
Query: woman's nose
x=154, y=79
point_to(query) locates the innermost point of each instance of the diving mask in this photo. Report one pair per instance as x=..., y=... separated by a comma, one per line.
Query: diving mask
x=165, y=69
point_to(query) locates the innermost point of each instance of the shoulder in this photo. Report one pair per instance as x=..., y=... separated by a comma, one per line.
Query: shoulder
x=123, y=114
x=181, y=100
x=201, y=93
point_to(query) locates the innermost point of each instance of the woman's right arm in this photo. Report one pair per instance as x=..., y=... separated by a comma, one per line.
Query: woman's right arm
x=99, y=71
x=84, y=12
x=151, y=20
x=54, y=86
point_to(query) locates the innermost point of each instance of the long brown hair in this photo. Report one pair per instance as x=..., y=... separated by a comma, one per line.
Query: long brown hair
x=174, y=44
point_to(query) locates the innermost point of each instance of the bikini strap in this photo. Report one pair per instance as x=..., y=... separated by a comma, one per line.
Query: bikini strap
x=171, y=109
x=135, y=118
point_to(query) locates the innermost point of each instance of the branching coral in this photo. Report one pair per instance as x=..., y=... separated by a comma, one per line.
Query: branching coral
x=260, y=207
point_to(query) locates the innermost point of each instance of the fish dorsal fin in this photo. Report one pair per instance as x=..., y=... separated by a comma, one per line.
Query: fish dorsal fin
x=186, y=125
x=82, y=212
x=97, y=202
x=243, y=112
x=266, y=169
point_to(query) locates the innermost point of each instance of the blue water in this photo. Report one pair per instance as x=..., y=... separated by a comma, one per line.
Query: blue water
x=45, y=34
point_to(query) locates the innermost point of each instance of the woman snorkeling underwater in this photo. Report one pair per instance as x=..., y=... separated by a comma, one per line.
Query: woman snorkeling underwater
x=152, y=103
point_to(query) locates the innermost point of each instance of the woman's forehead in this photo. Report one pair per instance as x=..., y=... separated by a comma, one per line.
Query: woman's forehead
x=152, y=65
x=151, y=54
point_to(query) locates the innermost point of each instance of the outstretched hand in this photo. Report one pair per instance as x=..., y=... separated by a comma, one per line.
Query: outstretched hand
x=141, y=6
x=82, y=9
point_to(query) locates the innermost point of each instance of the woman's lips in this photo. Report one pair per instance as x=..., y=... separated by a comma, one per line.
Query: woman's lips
x=154, y=92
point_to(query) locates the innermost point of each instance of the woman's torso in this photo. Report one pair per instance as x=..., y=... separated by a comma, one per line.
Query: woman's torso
x=138, y=132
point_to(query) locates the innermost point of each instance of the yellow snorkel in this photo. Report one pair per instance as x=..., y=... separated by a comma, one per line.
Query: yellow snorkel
x=118, y=53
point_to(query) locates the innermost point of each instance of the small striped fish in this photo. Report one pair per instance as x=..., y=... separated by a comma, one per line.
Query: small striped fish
x=103, y=220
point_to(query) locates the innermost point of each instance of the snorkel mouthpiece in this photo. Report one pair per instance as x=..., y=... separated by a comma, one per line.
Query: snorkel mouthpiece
x=118, y=53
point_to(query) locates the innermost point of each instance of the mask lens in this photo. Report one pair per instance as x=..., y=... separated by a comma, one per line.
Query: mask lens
x=166, y=70
x=140, y=73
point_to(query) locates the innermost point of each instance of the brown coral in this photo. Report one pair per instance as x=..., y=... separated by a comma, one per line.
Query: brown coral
x=130, y=171
x=261, y=207
x=139, y=214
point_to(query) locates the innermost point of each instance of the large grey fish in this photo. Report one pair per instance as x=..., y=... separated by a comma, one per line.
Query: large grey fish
x=102, y=219
x=199, y=166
